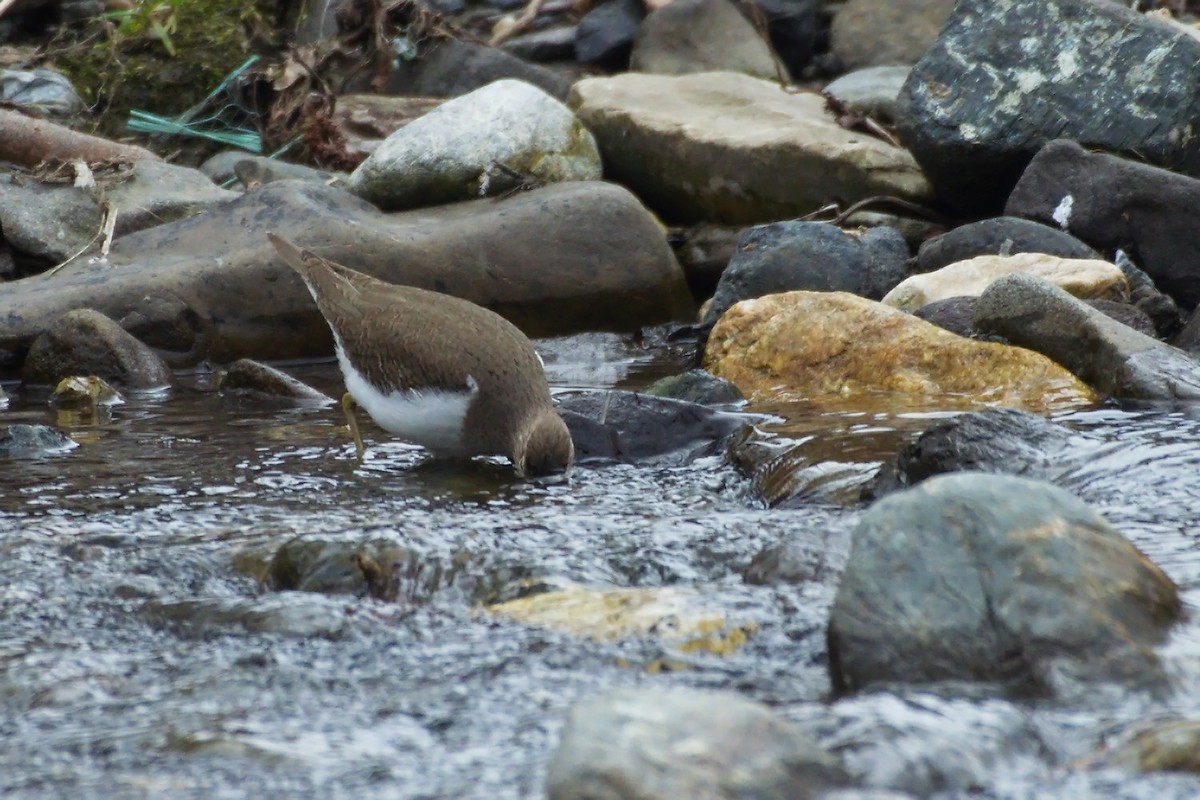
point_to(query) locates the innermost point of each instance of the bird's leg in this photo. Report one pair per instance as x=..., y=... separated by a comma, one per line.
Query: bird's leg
x=348, y=406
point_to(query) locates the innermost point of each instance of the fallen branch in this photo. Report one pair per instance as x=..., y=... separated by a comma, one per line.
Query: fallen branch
x=29, y=141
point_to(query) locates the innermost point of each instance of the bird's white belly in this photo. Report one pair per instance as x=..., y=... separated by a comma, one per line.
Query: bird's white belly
x=432, y=419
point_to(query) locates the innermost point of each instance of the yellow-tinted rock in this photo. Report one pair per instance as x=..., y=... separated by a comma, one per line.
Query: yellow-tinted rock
x=678, y=616
x=835, y=346
x=1087, y=279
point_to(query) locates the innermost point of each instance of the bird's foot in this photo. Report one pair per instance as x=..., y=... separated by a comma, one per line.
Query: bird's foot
x=348, y=406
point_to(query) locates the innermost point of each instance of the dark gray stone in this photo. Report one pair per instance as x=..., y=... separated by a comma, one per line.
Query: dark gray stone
x=85, y=342
x=606, y=33
x=696, y=386
x=999, y=236
x=613, y=425
x=1007, y=76
x=796, y=28
x=449, y=68
x=552, y=44
x=247, y=379
x=998, y=440
x=1117, y=204
x=995, y=578
x=1110, y=357
x=24, y=441
x=667, y=743
x=812, y=256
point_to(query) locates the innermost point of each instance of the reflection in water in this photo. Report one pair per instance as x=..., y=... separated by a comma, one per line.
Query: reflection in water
x=137, y=658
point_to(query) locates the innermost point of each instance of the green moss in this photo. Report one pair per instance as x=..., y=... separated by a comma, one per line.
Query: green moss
x=164, y=56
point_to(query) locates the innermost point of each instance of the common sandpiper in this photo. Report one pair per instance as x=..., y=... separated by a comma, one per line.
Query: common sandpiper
x=435, y=370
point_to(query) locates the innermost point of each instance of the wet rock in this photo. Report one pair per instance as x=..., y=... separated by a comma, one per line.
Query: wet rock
x=84, y=393
x=999, y=236
x=687, y=36
x=249, y=379
x=52, y=222
x=298, y=616
x=1111, y=203
x=813, y=256
x=997, y=440
x=1163, y=746
x=837, y=347
x=680, y=617
x=872, y=92
x=795, y=561
x=683, y=145
x=1112, y=358
x=1079, y=73
x=1085, y=279
x=869, y=33
x=451, y=153
x=41, y=91
x=86, y=342
x=704, y=253
x=1127, y=314
x=658, y=743
x=566, y=257
x=24, y=441
x=696, y=386
x=450, y=67
x=1002, y=579
x=628, y=426
x=606, y=33
x=383, y=569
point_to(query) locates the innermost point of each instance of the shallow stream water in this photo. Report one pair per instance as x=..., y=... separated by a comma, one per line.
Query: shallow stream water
x=139, y=657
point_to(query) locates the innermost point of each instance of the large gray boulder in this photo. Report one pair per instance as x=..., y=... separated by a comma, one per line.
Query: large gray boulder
x=982, y=577
x=1007, y=76
x=569, y=257
x=670, y=743
x=684, y=145
x=483, y=143
x=1112, y=358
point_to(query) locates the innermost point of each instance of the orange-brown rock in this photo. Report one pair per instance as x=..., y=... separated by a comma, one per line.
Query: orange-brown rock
x=833, y=346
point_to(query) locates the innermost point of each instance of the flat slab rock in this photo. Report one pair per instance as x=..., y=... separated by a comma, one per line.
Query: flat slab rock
x=561, y=259
x=1084, y=278
x=837, y=347
x=720, y=147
